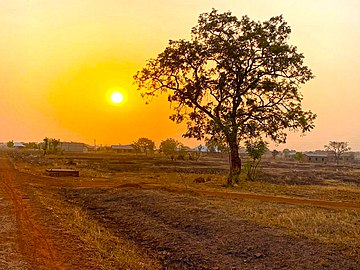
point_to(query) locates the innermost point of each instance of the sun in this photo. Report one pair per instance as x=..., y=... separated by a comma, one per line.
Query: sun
x=116, y=97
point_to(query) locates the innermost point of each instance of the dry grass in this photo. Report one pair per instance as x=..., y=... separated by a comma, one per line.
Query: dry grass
x=344, y=192
x=109, y=252
x=339, y=227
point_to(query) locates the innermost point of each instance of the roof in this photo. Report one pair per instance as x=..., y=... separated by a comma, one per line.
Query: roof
x=72, y=143
x=204, y=148
x=18, y=144
x=316, y=154
x=122, y=147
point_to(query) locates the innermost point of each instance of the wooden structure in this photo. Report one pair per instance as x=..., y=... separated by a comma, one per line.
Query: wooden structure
x=63, y=172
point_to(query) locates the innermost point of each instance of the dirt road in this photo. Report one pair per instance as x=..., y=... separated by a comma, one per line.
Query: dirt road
x=30, y=239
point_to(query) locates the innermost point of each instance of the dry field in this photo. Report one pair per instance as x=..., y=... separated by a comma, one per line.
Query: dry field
x=137, y=212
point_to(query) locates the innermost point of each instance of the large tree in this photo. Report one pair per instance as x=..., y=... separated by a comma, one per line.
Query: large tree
x=236, y=79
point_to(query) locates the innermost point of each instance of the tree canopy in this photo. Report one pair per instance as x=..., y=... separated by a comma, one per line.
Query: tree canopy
x=169, y=147
x=337, y=148
x=235, y=79
x=144, y=145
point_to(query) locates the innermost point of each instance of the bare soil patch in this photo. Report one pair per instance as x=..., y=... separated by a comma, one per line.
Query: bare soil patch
x=184, y=232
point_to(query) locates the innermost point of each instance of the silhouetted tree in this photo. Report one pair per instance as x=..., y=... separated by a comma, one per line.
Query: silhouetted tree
x=275, y=153
x=46, y=145
x=169, y=147
x=337, y=148
x=50, y=145
x=144, y=145
x=10, y=144
x=236, y=78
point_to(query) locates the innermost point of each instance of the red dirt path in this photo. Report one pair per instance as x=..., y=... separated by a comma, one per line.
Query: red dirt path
x=32, y=241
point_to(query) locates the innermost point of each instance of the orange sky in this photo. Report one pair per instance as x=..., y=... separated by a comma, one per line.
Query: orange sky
x=59, y=58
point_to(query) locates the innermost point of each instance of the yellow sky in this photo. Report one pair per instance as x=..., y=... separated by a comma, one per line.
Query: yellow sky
x=59, y=58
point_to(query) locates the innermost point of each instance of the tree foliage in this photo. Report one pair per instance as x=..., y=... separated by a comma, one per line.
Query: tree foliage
x=239, y=79
x=217, y=144
x=10, y=144
x=169, y=147
x=51, y=145
x=255, y=150
x=144, y=145
x=338, y=148
x=275, y=153
x=31, y=145
x=299, y=156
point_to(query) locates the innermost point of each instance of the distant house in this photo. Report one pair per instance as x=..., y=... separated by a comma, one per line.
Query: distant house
x=123, y=148
x=74, y=147
x=19, y=145
x=356, y=156
x=347, y=157
x=322, y=157
x=325, y=157
x=204, y=149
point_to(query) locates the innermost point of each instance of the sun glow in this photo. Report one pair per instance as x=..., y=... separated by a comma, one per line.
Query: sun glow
x=117, y=97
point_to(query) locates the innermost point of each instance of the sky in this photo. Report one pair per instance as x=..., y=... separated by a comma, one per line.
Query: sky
x=60, y=59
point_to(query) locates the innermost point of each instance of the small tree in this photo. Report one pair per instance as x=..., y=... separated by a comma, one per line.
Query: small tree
x=10, y=144
x=46, y=145
x=195, y=155
x=255, y=151
x=54, y=145
x=286, y=152
x=169, y=147
x=275, y=153
x=144, y=145
x=299, y=156
x=338, y=148
x=31, y=145
x=50, y=145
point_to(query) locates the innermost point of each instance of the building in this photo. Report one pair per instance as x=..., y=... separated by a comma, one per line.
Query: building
x=347, y=157
x=19, y=145
x=327, y=157
x=123, y=148
x=320, y=157
x=73, y=147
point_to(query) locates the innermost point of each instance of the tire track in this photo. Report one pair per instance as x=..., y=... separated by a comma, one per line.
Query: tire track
x=33, y=242
x=231, y=195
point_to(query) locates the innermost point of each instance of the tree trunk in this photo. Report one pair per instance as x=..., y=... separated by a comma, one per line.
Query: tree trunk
x=235, y=162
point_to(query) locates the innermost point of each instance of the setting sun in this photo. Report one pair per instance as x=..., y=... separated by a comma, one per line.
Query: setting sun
x=117, y=97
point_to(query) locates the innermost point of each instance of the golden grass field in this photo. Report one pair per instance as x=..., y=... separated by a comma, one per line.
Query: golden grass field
x=139, y=212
